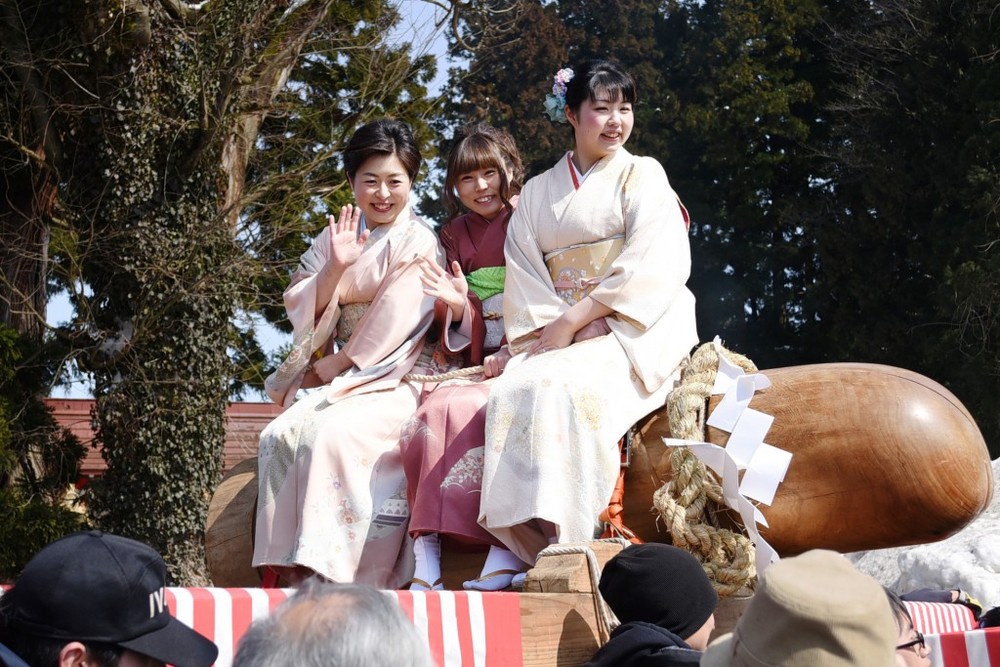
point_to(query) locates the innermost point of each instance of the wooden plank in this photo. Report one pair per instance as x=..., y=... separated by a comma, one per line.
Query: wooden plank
x=558, y=629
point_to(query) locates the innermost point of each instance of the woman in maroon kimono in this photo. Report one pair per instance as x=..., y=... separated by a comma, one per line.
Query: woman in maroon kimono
x=442, y=444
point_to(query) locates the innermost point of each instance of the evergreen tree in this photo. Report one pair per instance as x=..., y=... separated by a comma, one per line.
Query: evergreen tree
x=909, y=251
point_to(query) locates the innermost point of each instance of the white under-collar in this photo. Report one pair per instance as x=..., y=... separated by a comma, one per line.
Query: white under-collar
x=580, y=177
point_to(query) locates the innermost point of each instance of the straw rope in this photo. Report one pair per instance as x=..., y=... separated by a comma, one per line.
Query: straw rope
x=441, y=377
x=692, y=497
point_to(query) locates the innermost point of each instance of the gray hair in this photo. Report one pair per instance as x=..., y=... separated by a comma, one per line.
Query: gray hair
x=330, y=624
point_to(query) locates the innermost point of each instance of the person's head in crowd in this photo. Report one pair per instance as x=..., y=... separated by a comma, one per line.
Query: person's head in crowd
x=911, y=649
x=333, y=625
x=97, y=599
x=662, y=585
x=811, y=610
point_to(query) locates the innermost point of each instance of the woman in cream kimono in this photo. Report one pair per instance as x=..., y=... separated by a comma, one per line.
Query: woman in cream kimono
x=597, y=312
x=332, y=489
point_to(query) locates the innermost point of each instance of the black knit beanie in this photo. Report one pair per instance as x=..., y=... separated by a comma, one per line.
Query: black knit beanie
x=661, y=584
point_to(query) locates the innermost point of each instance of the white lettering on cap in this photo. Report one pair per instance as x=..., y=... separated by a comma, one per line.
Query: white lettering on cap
x=156, y=602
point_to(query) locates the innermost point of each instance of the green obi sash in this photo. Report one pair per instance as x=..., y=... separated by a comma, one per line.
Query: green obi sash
x=487, y=281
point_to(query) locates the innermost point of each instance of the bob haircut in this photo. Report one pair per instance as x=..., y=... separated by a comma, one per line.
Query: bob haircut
x=382, y=137
x=482, y=146
x=594, y=77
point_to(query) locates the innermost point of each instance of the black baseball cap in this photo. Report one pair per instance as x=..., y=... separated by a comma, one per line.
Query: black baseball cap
x=96, y=587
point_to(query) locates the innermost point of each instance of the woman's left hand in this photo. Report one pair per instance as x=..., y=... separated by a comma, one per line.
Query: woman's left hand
x=598, y=327
x=331, y=366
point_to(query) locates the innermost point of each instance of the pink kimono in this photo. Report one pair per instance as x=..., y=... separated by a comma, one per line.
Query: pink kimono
x=442, y=444
x=332, y=489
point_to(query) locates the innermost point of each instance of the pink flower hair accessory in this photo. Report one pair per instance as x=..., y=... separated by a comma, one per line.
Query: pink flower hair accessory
x=555, y=102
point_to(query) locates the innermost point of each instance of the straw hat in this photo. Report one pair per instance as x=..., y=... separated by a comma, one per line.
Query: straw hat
x=812, y=610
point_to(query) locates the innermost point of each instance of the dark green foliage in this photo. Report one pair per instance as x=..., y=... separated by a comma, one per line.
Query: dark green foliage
x=169, y=233
x=908, y=247
x=39, y=461
x=839, y=160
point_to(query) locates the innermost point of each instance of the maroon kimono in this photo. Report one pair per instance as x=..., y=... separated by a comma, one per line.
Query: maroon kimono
x=442, y=444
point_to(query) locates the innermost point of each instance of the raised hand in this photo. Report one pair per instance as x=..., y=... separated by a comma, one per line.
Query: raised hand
x=452, y=290
x=345, y=242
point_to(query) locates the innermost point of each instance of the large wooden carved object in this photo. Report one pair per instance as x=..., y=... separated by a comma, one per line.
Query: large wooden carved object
x=881, y=457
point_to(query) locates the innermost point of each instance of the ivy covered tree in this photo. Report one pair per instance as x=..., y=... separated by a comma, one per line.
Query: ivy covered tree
x=129, y=128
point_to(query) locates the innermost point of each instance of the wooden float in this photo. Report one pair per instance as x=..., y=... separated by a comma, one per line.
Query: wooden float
x=560, y=610
x=881, y=457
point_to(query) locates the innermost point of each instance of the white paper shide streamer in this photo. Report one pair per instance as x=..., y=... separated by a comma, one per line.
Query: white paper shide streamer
x=764, y=465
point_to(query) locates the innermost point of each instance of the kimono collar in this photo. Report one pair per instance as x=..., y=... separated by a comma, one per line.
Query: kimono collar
x=578, y=178
x=396, y=229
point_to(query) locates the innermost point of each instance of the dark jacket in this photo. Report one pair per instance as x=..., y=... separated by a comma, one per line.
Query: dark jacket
x=639, y=644
x=10, y=659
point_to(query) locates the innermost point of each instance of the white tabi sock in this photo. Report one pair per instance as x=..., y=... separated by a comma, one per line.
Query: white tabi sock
x=498, y=571
x=427, y=557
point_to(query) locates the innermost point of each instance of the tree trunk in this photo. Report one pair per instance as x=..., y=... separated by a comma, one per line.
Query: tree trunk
x=25, y=209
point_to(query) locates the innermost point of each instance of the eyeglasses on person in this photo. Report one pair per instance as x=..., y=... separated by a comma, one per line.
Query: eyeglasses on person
x=919, y=641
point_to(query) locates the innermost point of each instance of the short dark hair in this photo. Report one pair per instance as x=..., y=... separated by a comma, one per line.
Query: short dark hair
x=899, y=611
x=44, y=651
x=480, y=146
x=596, y=76
x=386, y=136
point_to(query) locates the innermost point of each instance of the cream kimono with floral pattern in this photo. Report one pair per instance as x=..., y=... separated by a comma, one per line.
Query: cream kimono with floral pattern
x=332, y=489
x=554, y=419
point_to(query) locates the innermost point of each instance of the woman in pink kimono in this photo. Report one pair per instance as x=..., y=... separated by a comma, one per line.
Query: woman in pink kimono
x=442, y=444
x=597, y=315
x=332, y=488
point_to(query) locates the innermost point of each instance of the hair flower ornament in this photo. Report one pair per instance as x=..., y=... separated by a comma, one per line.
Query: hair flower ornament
x=555, y=103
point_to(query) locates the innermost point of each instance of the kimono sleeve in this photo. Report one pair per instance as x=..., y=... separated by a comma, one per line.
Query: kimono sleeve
x=655, y=261
x=400, y=311
x=529, y=298
x=300, y=295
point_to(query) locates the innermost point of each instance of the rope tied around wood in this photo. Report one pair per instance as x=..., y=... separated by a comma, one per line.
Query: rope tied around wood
x=606, y=620
x=688, y=503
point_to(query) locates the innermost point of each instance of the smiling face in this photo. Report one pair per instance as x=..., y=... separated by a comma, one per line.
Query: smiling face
x=602, y=126
x=479, y=191
x=382, y=189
